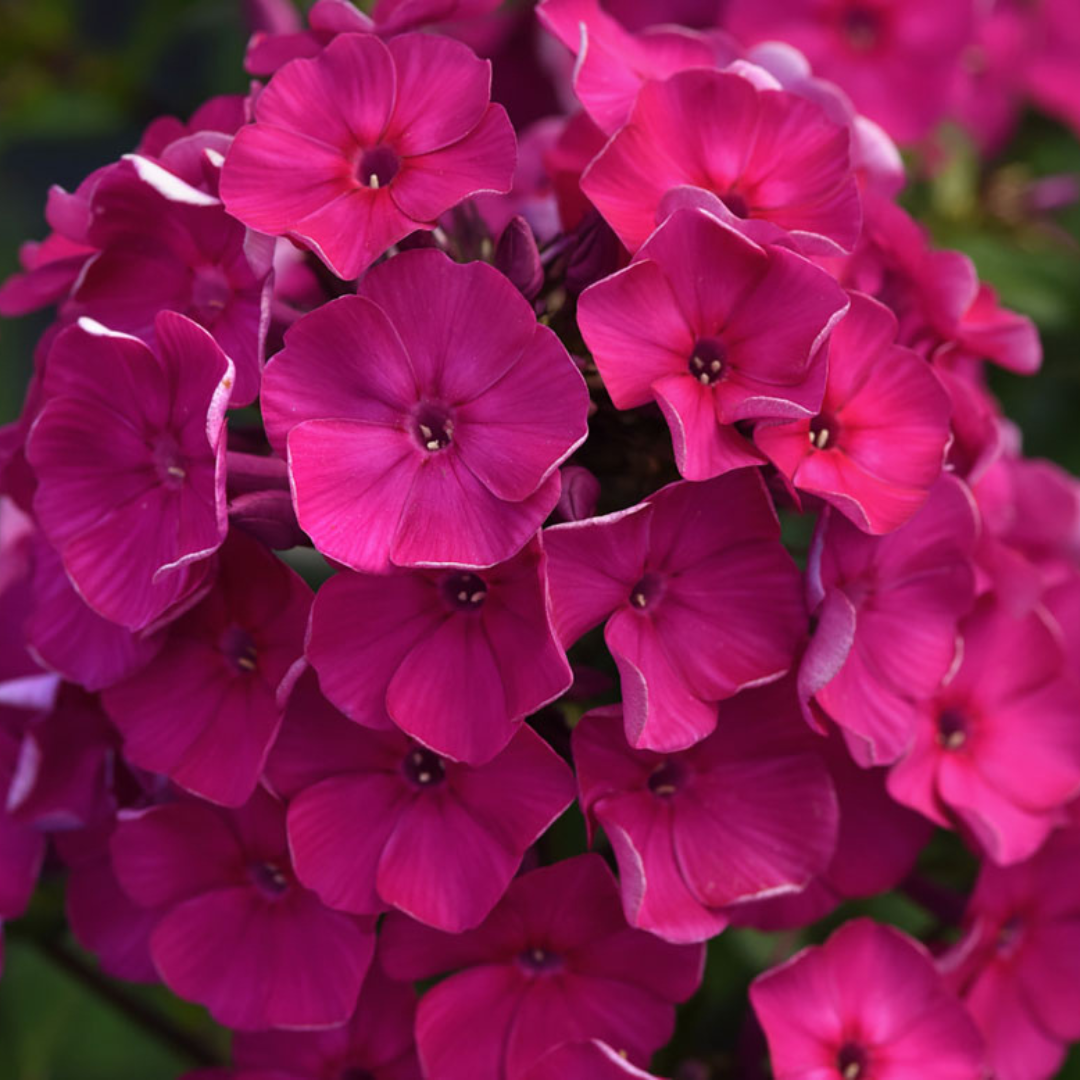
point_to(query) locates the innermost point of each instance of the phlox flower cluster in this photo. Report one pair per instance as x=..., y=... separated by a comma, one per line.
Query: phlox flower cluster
x=449, y=438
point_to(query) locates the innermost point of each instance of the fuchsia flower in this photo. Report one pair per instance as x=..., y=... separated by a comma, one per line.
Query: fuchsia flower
x=69, y=637
x=895, y=58
x=236, y=932
x=877, y=446
x=555, y=962
x=766, y=161
x=997, y=748
x=441, y=427
x=353, y=150
x=746, y=813
x=699, y=597
x=129, y=454
x=887, y=611
x=877, y=843
x=867, y=1005
x=453, y=658
x=612, y=63
x=690, y=324
x=440, y=841
x=592, y=1060
x=163, y=244
x=376, y=1043
x=206, y=709
x=1018, y=966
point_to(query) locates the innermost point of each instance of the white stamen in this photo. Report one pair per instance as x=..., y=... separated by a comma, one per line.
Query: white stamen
x=373, y=181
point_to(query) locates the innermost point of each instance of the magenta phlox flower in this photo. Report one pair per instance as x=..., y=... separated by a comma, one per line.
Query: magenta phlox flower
x=877, y=843
x=878, y=443
x=236, y=931
x=592, y=1060
x=22, y=845
x=895, y=58
x=868, y=1004
x=887, y=611
x=612, y=63
x=163, y=244
x=129, y=455
x=206, y=709
x=699, y=598
x=768, y=162
x=554, y=962
x=1018, y=966
x=687, y=324
x=376, y=1043
x=997, y=749
x=365, y=143
x=103, y=918
x=441, y=841
x=943, y=309
x=453, y=658
x=434, y=438
x=67, y=636
x=747, y=813
x=272, y=47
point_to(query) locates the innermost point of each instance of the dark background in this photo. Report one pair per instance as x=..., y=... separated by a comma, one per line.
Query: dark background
x=79, y=79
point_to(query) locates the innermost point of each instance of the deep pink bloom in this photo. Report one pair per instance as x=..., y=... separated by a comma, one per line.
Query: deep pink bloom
x=690, y=325
x=237, y=933
x=69, y=637
x=353, y=150
x=766, y=161
x=554, y=962
x=434, y=439
x=440, y=841
x=997, y=749
x=1053, y=76
x=129, y=454
x=1018, y=965
x=163, y=244
x=592, y=1060
x=887, y=612
x=868, y=1004
x=894, y=57
x=453, y=658
x=699, y=598
x=22, y=846
x=943, y=308
x=877, y=844
x=746, y=813
x=612, y=63
x=878, y=443
x=376, y=1043
x=206, y=709
x=103, y=918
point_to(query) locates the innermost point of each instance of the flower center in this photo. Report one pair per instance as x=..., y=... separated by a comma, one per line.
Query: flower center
x=667, y=778
x=824, y=431
x=1009, y=935
x=210, y=294
x=167, y=461
x=423, y=768
x=269, y=878
x=378, y=166
x=707, y=361
x=862, y=27
x=464, y=591
x=852, y=1061
x=354, y=1072
x=646, y=592
x=239, y=649
x=539, y=961
x=953, y=729
x=736, y=204
x=433, y=427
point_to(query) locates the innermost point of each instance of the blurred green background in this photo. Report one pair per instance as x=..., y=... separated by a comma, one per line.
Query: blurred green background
x=79, y=79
